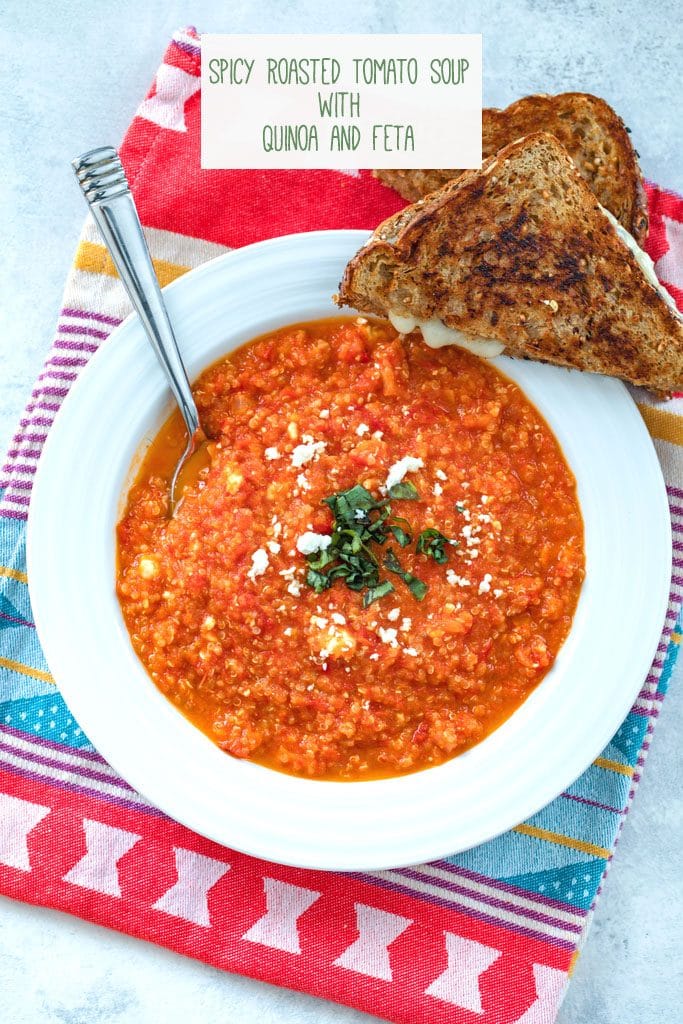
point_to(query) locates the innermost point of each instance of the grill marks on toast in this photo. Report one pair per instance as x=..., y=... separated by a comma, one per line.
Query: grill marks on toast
x=521, y=252
x=589, y=129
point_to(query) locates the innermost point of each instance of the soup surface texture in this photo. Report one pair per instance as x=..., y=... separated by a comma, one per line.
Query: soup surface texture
x=244, y=612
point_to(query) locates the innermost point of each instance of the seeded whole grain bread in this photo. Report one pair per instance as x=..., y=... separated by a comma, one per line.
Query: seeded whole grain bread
x=589, y=129
x=522, y=252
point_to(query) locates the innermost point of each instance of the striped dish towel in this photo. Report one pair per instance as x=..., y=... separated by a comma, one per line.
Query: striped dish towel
x=489, y=935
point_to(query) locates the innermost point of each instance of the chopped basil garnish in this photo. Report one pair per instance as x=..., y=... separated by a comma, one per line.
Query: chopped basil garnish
x=404, y=491
x=433, y=543
x=374, y=593
x=360, y=522
x=417, y=588
x=318, y=580
x=402, y=538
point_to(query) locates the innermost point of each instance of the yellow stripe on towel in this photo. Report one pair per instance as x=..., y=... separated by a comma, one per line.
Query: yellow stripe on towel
x=26, y=670
x=665, y=426
x=13, y=574
x=613, y=766
x=560, y=840
x=94, y=258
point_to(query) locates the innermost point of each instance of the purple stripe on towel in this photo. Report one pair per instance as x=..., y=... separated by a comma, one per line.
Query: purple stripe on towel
x=17, y=499
x=496, y=883
x=89, y=332
x=67, y=361
x=21, y=485
x=492, y=901
x=18, y=467
x=592, y=803
x=76, y=346
x=82, y=314
x=82, y=770
x=42, y=741
x=9, y=513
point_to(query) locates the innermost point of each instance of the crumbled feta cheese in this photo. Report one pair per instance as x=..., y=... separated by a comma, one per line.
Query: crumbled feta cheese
x=406, y=624
x=318, y=621
x=273, y=547
x=259, y=564
x=485, y=499
x=293, y=430
x=378, y=435
x=294, y=588
x=388, y=636
x=304, y=453
x=497, y=593
x=288, y=631
x=338, y=618
x=209, y=622
x=303, y=482
x=362, y=428
x=408, y=464
x=309, y=543
x=411, y=651
x=485, y=584
x=455, y=580
x=324, y=414
x=288, y=573
x=437, y=490
x=374, y=657
x=441, y=475
x=359, y=513
x=462, y=508
x=272, y=453
x=393, y=614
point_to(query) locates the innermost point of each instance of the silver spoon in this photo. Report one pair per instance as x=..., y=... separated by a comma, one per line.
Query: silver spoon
x=103, y=182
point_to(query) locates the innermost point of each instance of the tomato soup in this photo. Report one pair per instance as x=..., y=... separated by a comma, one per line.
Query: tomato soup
x=379, y=563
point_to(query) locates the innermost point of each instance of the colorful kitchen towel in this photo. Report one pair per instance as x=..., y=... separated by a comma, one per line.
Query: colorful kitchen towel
x=489, y=935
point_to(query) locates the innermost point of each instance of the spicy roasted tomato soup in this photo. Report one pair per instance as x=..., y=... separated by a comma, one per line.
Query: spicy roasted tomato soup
x=379, y=563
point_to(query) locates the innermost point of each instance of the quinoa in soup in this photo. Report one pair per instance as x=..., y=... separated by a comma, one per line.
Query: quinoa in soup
x=378, y=563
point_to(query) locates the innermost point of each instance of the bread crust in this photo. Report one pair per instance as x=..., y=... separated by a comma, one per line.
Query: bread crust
x=522, y=253
x=593, y=134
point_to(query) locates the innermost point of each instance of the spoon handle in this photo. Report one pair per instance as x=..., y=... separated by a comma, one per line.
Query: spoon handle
x=103, y=182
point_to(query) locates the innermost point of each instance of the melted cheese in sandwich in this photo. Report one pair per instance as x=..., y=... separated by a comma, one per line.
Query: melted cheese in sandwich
x=436, y=334
x=642, y=259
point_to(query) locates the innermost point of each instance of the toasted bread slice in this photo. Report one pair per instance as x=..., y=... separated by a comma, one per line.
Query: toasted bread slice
x=522, y=252
x=592, y=133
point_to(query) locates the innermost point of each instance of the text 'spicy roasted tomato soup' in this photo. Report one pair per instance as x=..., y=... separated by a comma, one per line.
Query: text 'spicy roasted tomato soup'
x=217, y=602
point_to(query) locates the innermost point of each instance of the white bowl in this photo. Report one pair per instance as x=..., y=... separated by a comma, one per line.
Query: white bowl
x=120, y=402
